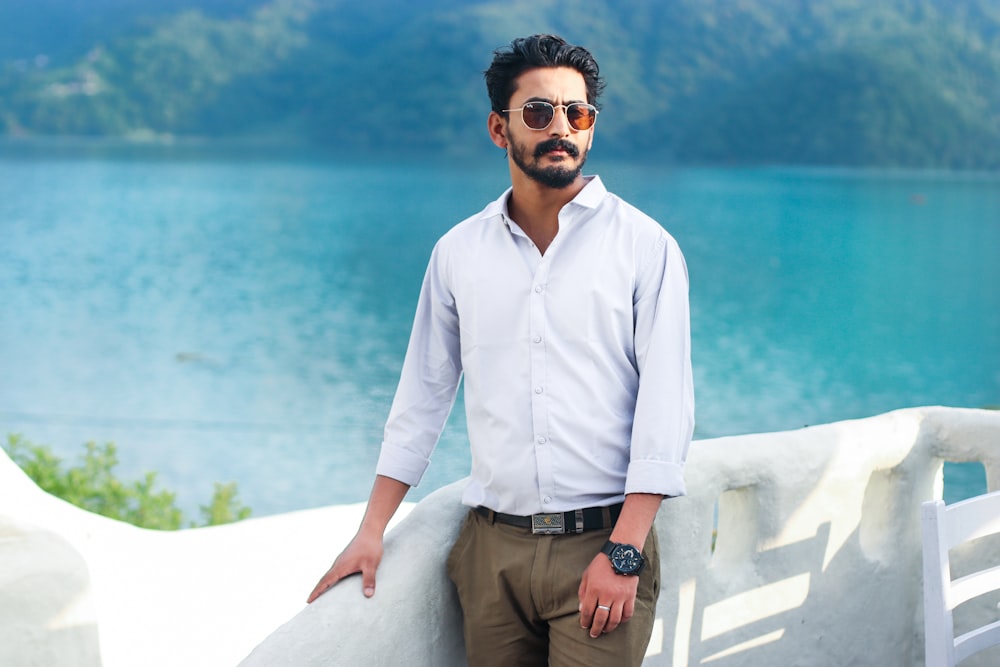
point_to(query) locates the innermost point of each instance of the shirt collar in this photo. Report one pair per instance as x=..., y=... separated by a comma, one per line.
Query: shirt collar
x=592, y=194
x=590, y=197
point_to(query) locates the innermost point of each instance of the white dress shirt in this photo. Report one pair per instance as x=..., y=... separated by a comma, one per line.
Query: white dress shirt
x=577, y=364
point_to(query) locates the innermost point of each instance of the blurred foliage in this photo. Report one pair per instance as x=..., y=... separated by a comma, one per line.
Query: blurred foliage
x=908, y=83
x=63, y=30
x=93, y=486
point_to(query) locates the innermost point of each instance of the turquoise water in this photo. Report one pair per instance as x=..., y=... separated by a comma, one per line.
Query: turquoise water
x=237, y=320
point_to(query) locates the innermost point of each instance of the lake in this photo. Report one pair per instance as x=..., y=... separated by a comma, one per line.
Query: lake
x=230, y=319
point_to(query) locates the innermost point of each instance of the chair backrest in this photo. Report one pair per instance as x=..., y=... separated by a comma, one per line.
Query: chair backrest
x=945, y=527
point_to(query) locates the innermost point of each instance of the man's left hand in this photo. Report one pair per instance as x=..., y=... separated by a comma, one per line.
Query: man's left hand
x=606, y=599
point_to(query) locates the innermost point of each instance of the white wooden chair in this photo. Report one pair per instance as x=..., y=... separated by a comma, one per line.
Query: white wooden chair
x=945, y=527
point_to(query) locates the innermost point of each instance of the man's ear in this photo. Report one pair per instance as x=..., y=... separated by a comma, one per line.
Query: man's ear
x=497, y=127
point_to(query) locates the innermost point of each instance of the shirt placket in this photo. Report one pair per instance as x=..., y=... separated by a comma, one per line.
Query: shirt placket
x=539, y=388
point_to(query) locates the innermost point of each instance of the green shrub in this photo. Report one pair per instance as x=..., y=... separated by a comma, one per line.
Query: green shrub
x=93, y=486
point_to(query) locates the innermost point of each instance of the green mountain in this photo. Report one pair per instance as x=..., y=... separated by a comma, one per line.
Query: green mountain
x=913, y=83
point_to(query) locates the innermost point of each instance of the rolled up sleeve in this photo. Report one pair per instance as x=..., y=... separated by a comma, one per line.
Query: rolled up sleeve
x=664, y=413
x=428, y=382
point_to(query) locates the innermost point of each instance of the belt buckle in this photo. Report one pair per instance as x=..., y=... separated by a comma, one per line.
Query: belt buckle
x=548, y=524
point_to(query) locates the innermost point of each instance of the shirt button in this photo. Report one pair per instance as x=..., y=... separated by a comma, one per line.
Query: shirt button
x=537, y=339
x=546, y=500
x=541, y=440
x=538, y=390
x=538, y=289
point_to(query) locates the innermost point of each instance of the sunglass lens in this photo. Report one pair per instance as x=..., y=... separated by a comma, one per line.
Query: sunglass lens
x=581, y=116
x=537, y=115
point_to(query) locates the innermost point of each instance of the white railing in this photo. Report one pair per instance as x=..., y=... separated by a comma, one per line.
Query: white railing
x=817, y=562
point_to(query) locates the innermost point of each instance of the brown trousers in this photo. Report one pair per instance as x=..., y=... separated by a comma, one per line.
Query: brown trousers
x=520, y=598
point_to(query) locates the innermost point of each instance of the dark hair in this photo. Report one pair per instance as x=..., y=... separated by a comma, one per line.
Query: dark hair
x=526, y=53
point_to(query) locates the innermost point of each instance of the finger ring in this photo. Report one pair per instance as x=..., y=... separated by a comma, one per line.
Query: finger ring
x=605, y=608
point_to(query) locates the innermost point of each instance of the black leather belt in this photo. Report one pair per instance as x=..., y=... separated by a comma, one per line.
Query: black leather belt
x=559, y=523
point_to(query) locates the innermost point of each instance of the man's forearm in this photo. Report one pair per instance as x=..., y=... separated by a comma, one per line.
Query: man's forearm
x=636, y=519
x=386, y=497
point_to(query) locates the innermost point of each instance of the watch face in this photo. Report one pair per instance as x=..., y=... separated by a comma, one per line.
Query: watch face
x=626, y=558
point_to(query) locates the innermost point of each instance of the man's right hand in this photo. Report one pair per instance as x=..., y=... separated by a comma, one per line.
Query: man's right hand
x=364, y=553
x=363, y=556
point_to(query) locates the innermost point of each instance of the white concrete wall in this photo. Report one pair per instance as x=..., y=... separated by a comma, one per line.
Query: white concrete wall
x=80, y=589
x=817, y=563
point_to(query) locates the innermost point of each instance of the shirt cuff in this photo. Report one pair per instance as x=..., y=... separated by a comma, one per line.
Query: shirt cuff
x=401, y=464
x=651, y=476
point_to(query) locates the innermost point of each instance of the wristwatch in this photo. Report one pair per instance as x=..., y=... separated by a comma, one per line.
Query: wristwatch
x=625, y=559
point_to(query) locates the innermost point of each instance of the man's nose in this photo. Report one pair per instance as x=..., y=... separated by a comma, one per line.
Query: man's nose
x=559, y=127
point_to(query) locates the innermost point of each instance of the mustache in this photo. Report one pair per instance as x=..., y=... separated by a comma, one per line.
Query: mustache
x=556, y=145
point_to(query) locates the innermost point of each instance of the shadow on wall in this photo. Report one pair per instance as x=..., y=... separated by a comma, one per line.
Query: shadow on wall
x=817, y=559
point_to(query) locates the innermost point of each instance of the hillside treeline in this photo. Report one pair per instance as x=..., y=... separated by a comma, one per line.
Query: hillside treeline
x=911, y=83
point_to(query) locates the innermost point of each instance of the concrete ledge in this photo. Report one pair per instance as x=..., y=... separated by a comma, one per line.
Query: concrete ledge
x=817, y=562
x=414, y=617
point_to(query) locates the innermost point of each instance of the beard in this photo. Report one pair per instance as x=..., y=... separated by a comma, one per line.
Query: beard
x=555, y=176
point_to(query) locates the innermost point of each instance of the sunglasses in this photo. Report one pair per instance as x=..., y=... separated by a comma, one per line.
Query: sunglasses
x=539, y=115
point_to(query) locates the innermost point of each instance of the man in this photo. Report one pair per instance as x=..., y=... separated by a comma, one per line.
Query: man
x=566, y=309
